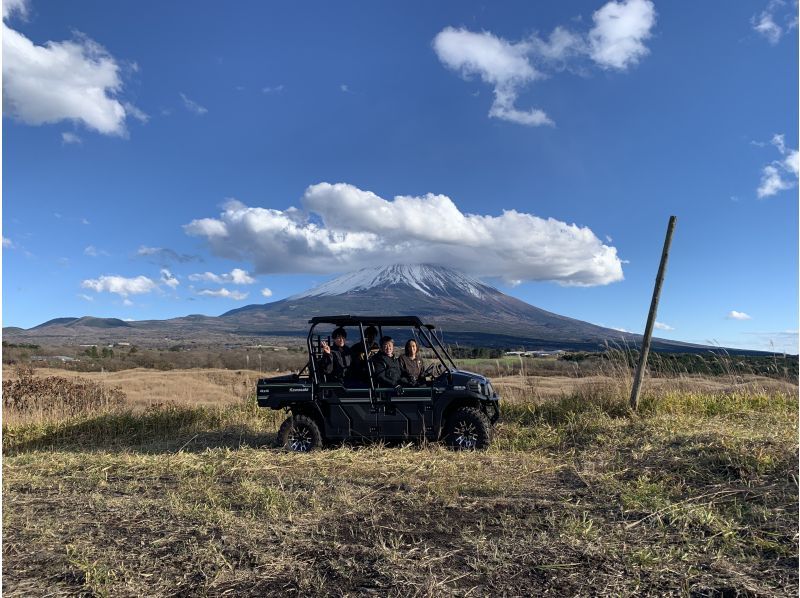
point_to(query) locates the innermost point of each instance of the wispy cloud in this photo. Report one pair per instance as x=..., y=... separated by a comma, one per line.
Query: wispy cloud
x=75, y=80
x=616, y=41
x=266, y=292
x=778, y=18
x=8, y=243
x=738, y=315
x=662, y=326
x=193, y=106
x=167, y=278
x=70, y=138
x=781, y=174
x=342, y=227
x=93, y=251
x=274, y=89
x=136, y=113
x=225, y=293
x=165, y=255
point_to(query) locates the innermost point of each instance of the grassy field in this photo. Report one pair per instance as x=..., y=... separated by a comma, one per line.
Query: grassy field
x=696, y=495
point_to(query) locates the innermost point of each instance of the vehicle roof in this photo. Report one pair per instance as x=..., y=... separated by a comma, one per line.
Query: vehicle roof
x=353, y=320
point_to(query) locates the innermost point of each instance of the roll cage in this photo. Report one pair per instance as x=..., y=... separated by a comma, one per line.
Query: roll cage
x=423, y=333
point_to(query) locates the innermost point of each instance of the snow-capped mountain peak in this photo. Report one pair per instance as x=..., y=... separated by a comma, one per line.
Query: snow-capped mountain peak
x=429, y=279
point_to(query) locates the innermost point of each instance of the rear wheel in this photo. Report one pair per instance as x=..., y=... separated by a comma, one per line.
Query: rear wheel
x=468, y=429
x=299, y=433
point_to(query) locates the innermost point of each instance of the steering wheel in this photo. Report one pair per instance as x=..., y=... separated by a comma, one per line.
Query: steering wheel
x=433, y=370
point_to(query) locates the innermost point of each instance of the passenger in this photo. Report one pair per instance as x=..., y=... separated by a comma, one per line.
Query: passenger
x=336, y=361
x=411, y=363
x=385, y=366
x=359, y=370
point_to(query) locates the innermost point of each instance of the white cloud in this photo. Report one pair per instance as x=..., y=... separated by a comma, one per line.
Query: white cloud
x=616, y=41
x=127, y=302
x=120, y=285
x=777, y=19
x=7, y=243
x=68, y=137
x=86, y=297
x=662, y=326
x=781, y=174
x=168, y=279
x=791, y=162
x=85, y=221
x=275, y=89
x=193, y=106
x=500, y=63
x=738, y=315
x=74, y=80
x=620, y=29
x=223, y=292
x=344, y=88
x=235, y=276
x=772, y=182
x=342, y=228
x=266, y=292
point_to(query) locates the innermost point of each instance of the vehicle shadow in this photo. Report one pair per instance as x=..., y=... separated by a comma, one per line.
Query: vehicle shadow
x=152, y=432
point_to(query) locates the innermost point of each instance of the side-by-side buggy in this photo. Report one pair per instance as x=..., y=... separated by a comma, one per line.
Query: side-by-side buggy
x=446, y=403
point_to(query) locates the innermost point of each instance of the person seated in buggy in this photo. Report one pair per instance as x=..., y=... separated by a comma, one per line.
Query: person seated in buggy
x=386, y=367
x=336, y=361
x=411, y=363
x=359, y=371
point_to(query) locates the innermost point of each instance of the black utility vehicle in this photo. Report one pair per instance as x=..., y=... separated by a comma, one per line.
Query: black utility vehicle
x=445, y=404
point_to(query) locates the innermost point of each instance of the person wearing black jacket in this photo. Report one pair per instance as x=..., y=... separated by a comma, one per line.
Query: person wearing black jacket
x=336, y=360
x=385, y=366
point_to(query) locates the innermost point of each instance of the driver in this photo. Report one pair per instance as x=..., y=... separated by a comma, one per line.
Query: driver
x=385, y=365
x=335, y=361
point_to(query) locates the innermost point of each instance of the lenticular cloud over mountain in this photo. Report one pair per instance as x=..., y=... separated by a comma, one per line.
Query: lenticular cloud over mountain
x=341, y=227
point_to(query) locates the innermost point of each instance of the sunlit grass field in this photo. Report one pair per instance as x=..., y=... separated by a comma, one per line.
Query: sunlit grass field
x=694, y=495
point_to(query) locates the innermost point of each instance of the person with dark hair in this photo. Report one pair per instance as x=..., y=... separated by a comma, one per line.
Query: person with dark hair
x=336, y=360
x=411, y=363
x=385, y=366
x=359, y=369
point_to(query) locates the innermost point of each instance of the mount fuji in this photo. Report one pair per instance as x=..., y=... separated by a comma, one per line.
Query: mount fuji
x=467, y=310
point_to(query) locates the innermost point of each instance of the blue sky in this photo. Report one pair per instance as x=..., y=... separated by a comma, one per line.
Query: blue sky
x=162, y=159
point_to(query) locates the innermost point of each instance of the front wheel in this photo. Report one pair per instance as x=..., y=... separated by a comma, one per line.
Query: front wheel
x=468, y=429
x=299, y=433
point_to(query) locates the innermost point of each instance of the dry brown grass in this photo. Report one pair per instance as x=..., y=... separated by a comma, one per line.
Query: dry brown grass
x=145, y=388
x=695, y=496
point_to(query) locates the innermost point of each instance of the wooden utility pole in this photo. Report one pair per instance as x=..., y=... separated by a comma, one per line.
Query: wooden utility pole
x=651, y=317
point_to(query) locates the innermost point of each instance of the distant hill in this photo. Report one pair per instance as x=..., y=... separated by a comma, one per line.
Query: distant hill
x=464, y=309
x=54, y=322
x=87, y=321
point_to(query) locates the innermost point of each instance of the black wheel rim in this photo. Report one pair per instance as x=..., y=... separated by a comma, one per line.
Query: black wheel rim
x=300, y=439
x=465, y=435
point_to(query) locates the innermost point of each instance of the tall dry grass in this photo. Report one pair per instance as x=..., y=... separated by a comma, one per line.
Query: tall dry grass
x=30, y=398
